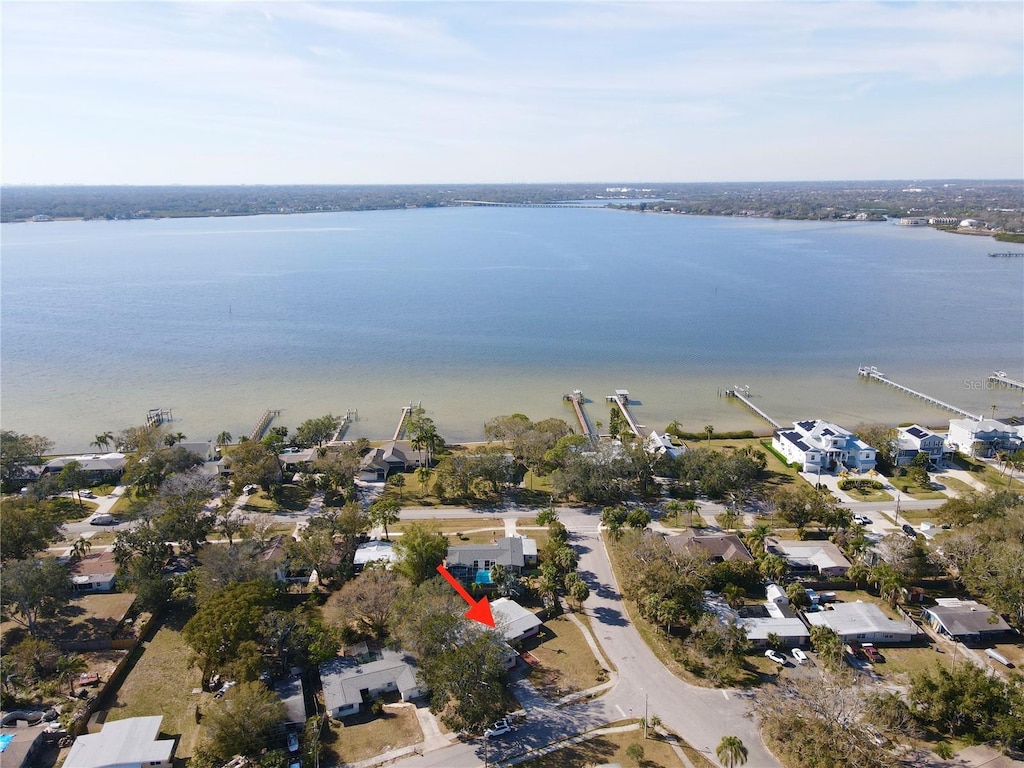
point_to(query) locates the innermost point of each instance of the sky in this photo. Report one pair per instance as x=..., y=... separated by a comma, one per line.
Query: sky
x=509, y=92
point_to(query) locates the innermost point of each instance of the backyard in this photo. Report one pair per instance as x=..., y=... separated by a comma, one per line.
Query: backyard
x=162, y=682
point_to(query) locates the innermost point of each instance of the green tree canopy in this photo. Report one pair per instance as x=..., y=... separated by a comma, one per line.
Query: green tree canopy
x=34, y=590
x=420, y=550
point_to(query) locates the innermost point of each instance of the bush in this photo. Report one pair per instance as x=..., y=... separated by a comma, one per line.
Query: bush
x=859, y=484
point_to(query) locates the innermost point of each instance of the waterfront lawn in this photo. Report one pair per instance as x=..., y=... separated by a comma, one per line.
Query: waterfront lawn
x=365, y=735
x=611, y=748
x=987, y=474
x=904, y=485
x=566, y=663
x=160, y=682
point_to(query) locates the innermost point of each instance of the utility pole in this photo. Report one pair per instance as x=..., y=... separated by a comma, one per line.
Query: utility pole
x=645, y=715
x=897, y=509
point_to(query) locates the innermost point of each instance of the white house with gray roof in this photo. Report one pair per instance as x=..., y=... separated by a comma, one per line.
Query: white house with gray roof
x=350, y=681
x=822, y=557
x=513, y=621
x=821, y=445
x=983, y=438
x=863, y=622
x=513, y=552
x=129, y=743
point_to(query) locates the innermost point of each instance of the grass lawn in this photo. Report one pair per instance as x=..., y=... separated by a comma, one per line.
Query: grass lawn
x=909, y=661
x=365, y=736
x=953, y=484
x=161, y=683
x=868, y=494
x=904, y=485
x=610, y=748
x=567, y=664
x=987, y=474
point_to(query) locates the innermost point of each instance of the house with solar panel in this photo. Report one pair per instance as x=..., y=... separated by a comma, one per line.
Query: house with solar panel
x=821, y=446
x=914, y=440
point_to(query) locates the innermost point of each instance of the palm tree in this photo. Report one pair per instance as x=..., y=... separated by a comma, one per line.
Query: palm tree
x=757, y=535
x=733, y=594
x=423, y=475
x=773, y=567
x=224, y=438
x=397, y=481
x=731, y=751
x=674, y=507
x=69, y=667
x=858, y=572
x=710, y=430
x=691, y=507
x=80, y=548
x=103, y=440
x=177, y=437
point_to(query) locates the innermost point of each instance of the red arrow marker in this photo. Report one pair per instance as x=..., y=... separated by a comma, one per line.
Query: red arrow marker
x=478, y=611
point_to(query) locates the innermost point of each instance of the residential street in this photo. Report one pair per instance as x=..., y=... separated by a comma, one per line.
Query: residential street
x=701, y=716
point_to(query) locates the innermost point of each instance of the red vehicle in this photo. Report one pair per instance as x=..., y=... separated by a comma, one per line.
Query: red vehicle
x=873, y=653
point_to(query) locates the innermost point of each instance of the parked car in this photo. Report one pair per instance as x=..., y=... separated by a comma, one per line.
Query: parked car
x=800, y=656
x=873, y=653
x=102, y=518
x=775, y=656
x=909, y=530
x=85, y=493
x=293, y=742
x=499, y=728
x=862, y=520
x=854, y=649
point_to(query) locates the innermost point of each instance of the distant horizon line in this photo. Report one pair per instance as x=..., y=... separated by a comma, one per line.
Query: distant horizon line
x=510, y=183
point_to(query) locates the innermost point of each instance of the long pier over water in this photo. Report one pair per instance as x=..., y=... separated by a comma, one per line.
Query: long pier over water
x=873, y=374
x=1000, y=377
x=743, y=395
x=577, y=400
x=621, y=398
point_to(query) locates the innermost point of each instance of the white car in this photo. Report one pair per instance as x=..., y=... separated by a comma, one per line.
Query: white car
x=862, y=520
x=102, y=518
x=293, y=742
x=800, y=656
x=500, y=728
x=85, y=493
x=775, y=656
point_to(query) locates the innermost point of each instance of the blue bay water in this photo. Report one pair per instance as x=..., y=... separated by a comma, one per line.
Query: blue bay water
x=478, y=312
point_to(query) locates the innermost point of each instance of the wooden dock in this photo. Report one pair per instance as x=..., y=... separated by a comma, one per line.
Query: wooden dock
x=263, y=424
x=350, y=416
x=1000, y=377
x=403, y=421
x=873, y=374
x=621, y=398
x=157, y=416
x=743, y=395
x=577, y=400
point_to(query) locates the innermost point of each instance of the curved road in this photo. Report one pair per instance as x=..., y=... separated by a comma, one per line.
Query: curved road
x=702, y=716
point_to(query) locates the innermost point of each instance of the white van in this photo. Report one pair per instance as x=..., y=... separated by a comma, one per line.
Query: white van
x=102, y=518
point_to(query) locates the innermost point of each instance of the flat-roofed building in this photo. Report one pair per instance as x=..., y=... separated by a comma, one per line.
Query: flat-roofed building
x=130, y=743
x=864, y=622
